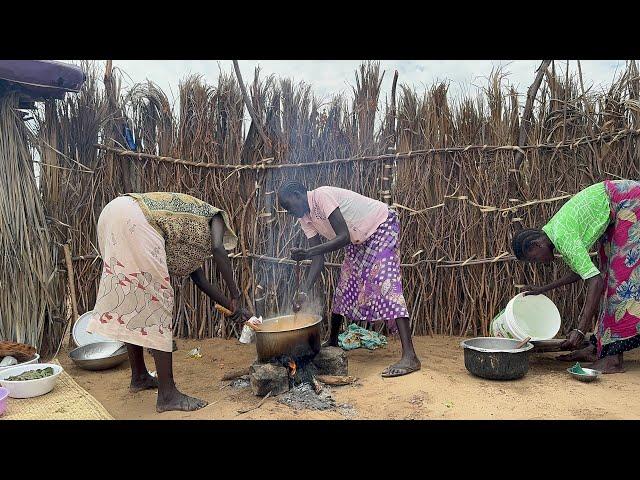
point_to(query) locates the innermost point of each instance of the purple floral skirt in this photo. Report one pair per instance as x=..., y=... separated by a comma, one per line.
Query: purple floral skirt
x=370, y=286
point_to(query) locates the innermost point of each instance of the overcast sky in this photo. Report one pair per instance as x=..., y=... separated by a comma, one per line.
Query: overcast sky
x=329, y=77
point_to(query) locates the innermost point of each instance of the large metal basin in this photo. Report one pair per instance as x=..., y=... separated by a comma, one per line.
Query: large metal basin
x=99, y=355
x=286, y=335
x=496, y=358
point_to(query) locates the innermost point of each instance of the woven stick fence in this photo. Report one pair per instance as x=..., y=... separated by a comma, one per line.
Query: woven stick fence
x=448, y=180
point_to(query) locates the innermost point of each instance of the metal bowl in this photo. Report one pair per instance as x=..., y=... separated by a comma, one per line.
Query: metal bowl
x=99, y=355
x=496, y=358
x=590, y=374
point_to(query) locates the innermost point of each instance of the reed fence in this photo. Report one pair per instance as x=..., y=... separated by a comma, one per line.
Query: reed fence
x=447, y=165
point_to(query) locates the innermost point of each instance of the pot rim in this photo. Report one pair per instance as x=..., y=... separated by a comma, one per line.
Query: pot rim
x=464, y=344
x=259, y=328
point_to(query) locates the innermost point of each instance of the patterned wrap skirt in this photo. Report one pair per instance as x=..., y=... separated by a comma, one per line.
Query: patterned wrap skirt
x=618, y=327
x=370, y=285
x=135, y=298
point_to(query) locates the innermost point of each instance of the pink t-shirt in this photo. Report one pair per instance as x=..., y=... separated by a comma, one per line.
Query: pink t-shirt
x=363, y=215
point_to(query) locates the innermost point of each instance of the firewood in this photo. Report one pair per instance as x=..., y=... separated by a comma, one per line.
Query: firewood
x=336, y=379
x=317, y=386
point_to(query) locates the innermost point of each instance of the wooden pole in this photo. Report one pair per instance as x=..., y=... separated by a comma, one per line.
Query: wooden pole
x=525, y=123
x=115, y=122
x=247, y=102
x=72, y=291
x=388, y=165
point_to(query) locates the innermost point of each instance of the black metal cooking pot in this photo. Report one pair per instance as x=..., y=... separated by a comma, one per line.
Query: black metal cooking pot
x=284, y=335
x=496, y=358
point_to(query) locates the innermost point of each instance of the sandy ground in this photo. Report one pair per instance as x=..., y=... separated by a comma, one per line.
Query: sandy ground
x=443, y=389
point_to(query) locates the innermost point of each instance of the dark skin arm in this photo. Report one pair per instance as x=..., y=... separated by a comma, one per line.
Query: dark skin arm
x=220, y=255
x=572, y=277
x=316, y=253
x=595, y=285
x=209, y=290
x=317, y=264
x=224, y=267
x=341, y=239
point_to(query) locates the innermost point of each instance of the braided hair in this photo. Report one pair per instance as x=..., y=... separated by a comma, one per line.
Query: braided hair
x=290, y=187
x=522, y=241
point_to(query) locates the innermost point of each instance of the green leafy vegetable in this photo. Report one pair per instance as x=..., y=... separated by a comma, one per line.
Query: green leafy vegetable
x=31, y=375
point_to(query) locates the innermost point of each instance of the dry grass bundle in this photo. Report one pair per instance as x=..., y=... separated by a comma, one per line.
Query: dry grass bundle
x=28, y=259
x=70, y=184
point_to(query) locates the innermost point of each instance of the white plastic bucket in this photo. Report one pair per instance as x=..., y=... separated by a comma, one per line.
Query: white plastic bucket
x=499, y=328
x=534, y=316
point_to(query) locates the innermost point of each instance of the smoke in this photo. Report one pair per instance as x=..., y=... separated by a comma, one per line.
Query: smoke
x=313, y=306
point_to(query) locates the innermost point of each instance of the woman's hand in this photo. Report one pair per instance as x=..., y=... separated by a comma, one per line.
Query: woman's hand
x=574, y=340
x=240, y=315
x=533, y=290
x=299, y=300
x=299, y=254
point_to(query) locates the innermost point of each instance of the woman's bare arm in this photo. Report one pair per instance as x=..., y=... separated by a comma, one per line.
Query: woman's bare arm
x=317, y=264
x=341, y=239
x=220, y=255
x=571, y=277
x=212, y=292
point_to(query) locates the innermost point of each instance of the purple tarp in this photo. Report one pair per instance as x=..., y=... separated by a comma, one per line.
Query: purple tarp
x=42, y=79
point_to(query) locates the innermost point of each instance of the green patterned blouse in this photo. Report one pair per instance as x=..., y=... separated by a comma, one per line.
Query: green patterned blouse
x=577, y=227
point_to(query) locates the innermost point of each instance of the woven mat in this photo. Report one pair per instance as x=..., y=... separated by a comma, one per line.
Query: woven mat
x=67, y=401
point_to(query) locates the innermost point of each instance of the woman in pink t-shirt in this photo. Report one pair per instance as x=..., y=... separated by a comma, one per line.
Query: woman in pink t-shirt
x=370, y=285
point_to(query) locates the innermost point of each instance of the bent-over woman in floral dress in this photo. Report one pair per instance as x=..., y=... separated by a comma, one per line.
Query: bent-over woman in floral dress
x=607, y=213
x=370, y=286
x=143, y=240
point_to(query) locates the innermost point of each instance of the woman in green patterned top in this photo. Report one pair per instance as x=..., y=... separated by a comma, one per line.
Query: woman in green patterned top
x=607, y=215
x=145, y=239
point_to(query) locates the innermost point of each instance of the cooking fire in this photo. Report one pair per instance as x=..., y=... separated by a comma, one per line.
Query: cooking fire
x=296, y=379
x=290, y=360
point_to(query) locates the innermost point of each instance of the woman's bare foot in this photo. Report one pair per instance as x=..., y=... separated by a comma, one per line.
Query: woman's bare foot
x=177, y=400
x=610, y=364
x=145, y=382
x=403, y=367
x=587, y=354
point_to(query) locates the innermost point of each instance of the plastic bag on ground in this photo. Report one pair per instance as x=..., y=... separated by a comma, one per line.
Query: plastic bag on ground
x=358, y=337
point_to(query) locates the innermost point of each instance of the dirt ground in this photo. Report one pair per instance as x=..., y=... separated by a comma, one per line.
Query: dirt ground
x=443, y=389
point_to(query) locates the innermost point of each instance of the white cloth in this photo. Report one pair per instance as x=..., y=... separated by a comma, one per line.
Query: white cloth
x=248, y=335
